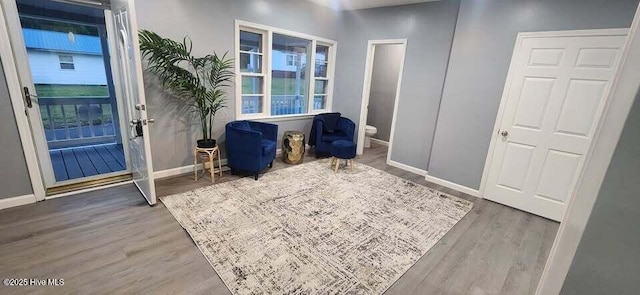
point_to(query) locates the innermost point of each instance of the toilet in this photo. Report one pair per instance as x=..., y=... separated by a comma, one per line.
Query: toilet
x=369, y=131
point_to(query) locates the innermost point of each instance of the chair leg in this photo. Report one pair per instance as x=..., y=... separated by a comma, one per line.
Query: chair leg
x=271, y=164
x=212, y=169
x=195, y=166
x=256, y=176
x=337, y=165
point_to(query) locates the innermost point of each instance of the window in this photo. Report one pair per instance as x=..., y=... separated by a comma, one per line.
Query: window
x=289, y=84
x=321, y=81
x=252, y=72
x=282, y=73
x=66, y=62
x=291, y=60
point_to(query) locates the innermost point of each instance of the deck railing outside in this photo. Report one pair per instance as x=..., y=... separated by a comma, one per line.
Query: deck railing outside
x=281, y=105
x=75, y=121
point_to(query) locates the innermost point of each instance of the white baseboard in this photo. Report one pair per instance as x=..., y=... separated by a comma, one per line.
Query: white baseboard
x=17, y=201
x=380, y=141
x=189, y=168
x=451, y=185
x=183, y=170
x=407, y=168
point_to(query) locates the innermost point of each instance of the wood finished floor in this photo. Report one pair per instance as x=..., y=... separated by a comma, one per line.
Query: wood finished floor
x=111, y=242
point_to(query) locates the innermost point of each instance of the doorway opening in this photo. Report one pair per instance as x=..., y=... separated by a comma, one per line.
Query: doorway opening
x=381, y=91
x=64, y=65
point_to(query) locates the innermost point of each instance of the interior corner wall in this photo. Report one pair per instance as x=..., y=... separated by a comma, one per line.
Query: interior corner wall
x=428, y=28
x=211, y=24
x=606, y=261
x=14, y=174
x=483, y=43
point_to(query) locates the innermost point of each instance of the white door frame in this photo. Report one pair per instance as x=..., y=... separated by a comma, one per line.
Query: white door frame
x=19, y=110
x=14, y=30
x=625, y=87
x=366, y=90
x=505, y=93
x=33, y=144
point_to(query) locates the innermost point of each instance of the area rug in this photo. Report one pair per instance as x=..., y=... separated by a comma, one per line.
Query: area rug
x=308, y=230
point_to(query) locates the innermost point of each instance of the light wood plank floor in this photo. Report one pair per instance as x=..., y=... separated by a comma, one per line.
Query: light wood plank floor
x=111, y=242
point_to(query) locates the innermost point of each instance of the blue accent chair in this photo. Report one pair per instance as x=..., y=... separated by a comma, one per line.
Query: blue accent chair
x=326, y=129
x=251, y=146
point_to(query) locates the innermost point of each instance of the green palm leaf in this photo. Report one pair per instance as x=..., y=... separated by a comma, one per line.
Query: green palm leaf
x=200, y=82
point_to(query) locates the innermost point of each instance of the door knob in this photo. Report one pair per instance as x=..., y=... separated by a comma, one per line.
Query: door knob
x=504, y=133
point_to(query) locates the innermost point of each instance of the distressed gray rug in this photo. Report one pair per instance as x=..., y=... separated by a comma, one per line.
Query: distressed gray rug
x=308, y=230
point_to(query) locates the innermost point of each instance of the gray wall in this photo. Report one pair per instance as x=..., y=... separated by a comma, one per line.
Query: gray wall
x=384, y=83
x=429, y=29
x=484, y=39
x=607, y=260
x=14, y=176
x=210, y=24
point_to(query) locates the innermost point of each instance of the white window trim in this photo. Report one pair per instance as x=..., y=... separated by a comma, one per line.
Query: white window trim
x=267, y=33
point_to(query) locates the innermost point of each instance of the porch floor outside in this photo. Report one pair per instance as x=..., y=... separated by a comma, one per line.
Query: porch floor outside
x=78, y=162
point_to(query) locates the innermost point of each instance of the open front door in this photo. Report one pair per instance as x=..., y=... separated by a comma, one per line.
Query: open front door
x=132, y=90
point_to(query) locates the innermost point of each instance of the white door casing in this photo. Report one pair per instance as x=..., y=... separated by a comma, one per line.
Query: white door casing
x=555, y=93
x=366, y=91
x=131, y=82
x=21, y=61
x=19, y=107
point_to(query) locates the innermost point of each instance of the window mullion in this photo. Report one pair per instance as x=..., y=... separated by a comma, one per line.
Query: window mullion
x=312, y=78
x=238, y=76
x=328, y=105
x=267, y=67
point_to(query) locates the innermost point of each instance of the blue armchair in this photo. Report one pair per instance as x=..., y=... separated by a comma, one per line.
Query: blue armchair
x=251, y=146
x=328, y=128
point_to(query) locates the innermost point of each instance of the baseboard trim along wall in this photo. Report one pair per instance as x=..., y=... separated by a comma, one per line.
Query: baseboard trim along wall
x=17, y=201
x=451, y=185
x=380, y=141
x=189, y=168
x=407, y=167
x=184, y=170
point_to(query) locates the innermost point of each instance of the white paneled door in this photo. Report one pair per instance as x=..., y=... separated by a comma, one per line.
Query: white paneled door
x=556, y=91
x=130, y=77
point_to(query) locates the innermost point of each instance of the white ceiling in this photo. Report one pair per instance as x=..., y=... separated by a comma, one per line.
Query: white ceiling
x=361, y=4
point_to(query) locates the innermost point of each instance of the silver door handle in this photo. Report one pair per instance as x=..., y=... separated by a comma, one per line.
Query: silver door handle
x=504, y=133
x=134, y=122
x=151, y=120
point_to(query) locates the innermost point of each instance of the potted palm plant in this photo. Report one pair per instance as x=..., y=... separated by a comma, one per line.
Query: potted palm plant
x=199, y=81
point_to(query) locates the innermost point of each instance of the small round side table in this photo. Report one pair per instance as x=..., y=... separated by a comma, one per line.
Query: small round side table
x=293, y=147
x=206, y=155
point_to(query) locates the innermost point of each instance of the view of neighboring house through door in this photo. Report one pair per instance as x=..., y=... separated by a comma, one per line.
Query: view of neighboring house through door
x=77, y=131
x=76, y=110
x=80, y=73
